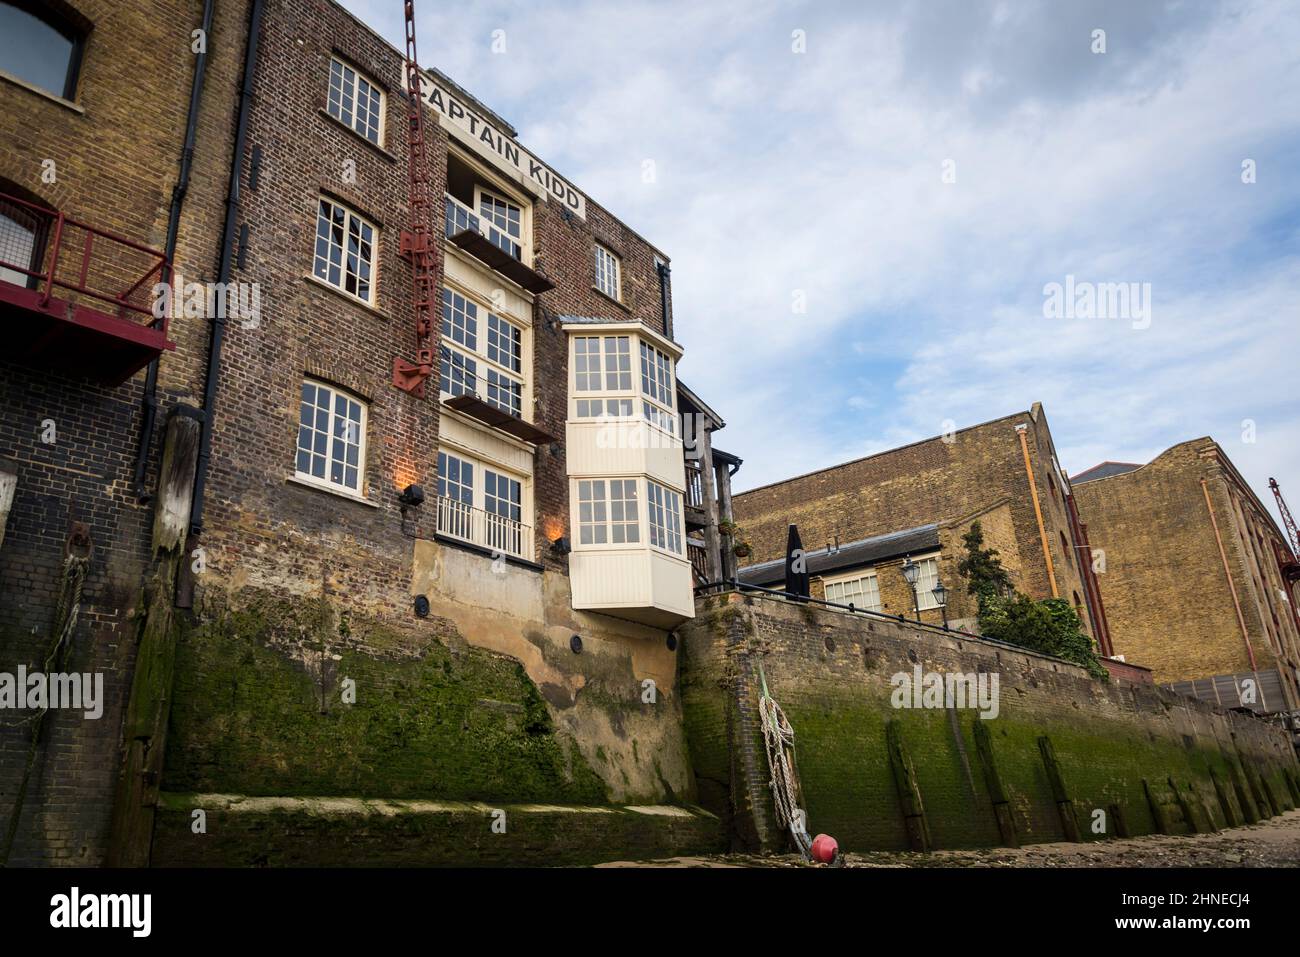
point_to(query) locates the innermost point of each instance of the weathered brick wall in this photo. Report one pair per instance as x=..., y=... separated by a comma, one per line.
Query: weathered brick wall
x=115, y=162
x=1167, y=595
x=934, y=481
x=266, y=535
x=831, y=673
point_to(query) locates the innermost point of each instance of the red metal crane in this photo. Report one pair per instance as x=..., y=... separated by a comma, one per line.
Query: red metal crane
x=1287, y=520
x=420, y=240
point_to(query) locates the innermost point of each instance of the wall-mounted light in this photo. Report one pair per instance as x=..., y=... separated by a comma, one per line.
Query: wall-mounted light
x=672, y=641
x=421, y=606
x=412, y=496
x=561, y=546
x=575, y=644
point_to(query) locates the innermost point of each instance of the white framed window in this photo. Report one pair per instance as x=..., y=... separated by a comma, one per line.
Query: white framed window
x=608, y=512
x=665, y=512
x=504, y=219
x=331, y=438
x=657, y=388
x=602, y=363
x=356, y=102
x=345, y=250
x=927, y=577
x=482, y=353
x=860, y=591
x=604, y=408
x=608, y=278
x=482, y=504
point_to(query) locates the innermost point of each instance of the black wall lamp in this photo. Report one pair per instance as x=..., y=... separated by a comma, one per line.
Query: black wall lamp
x=561, y=546
x=412, y=496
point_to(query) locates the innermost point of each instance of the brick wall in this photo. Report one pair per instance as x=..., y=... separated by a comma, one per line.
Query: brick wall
x=266, y=535
x=831, y=673
x=115, y=161
x=1167, y=595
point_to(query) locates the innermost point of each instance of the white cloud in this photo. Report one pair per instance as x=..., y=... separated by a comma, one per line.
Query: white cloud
x=821, y=172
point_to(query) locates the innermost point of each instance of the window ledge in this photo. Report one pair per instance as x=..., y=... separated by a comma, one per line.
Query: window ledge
x=618, y=302
x=33, y=88
x=487, y=552
x=348, y=297
x=343, y=126
x=328, y=490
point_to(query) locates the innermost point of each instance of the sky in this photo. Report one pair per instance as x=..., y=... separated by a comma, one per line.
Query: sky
x=866, y=205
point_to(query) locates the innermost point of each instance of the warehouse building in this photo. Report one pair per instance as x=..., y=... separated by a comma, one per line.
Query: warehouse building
x=1198, y=580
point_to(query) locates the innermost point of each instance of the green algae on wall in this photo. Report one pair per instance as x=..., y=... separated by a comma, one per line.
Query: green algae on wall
x=288, y=698
x=830, y=672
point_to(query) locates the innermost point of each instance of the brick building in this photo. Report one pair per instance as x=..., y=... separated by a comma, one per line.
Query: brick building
x=860, y=521
x=457, y=581
x=1194, y=575
x=115, y=131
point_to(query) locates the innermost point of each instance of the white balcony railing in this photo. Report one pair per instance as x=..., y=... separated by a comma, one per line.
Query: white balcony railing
x=486, y=529
x=460, y=217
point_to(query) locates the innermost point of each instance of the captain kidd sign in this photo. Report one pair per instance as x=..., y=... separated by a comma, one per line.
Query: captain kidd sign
x=499, y=149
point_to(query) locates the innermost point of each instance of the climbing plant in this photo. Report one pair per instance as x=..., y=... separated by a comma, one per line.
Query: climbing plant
x=1050, y=626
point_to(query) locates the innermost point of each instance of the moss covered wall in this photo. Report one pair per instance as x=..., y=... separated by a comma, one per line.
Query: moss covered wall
x=830, y=671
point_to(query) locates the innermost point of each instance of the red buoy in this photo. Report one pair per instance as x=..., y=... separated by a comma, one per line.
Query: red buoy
x=824, y=848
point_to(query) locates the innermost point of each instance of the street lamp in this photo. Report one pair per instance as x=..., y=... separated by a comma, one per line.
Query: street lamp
x=941, y=599
x=911, y=572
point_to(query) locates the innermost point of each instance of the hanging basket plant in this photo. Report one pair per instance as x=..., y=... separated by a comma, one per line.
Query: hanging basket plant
x=742, y=549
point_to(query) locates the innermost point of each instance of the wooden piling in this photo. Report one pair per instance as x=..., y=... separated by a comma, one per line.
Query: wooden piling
x=1064, y=803
x=993, y=780
x=909, y=790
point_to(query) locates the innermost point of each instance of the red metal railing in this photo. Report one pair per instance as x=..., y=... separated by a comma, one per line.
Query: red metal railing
x=107, y=260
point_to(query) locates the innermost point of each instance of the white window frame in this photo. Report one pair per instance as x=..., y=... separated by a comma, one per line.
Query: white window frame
x=925, y=600
x=475, y=525
x=604, y=513
x=658, y=371
x=609, y=272
x=481, y=193
x=615, y=374
x=350, y=216
x=669, y=504
x=480, y=353
x=854, y=596
x=325, y=482
x=354, y=122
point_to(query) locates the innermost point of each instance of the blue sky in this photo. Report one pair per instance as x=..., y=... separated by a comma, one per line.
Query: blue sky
x=782, y=176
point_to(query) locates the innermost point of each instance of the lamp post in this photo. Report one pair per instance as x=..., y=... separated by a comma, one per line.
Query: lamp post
x=941, y=598
x=911, y=572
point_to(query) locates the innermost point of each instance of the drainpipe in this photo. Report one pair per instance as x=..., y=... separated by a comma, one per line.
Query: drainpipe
x=223, y=272
x=1227, y=571
x=665, y=297
x=1038, y=509
x=150, y=402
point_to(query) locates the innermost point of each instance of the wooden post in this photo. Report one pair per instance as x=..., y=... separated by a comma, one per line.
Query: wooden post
x=1158, y=814
x=1230, y=816
x=1064, y=803
x=144, y=727
x=909, y=790
x=722, y=473
x=712, y=547
x=1119, y=820
x=8, y=486
x=993, y=780
x=1188, y=808
x=1263, y=800
x=1245, y=800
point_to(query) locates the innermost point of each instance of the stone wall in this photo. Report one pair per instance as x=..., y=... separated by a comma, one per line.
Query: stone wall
x=831, y=672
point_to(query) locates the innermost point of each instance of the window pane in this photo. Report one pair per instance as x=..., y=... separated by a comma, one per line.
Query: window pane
x=34, y=51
